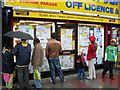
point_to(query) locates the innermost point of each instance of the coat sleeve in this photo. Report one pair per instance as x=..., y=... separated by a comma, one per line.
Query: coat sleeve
x=41, y=58
x=36, y=55
x=47, y=51
x=30, y=52
x=60, y=51
x=15, y=50
x=32, y=56
x=106, y=51
x=115, y=54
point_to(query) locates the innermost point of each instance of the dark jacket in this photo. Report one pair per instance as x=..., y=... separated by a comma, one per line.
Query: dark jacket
x=7, y=63
x=23, y=54
x=80, y=62
x=92, y=49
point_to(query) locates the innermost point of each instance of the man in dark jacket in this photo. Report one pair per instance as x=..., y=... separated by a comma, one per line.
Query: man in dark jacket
x=22, y=51
x=53, y=49
x=91, y=57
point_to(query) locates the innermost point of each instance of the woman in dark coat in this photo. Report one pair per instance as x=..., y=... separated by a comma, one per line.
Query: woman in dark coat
x=7, y=66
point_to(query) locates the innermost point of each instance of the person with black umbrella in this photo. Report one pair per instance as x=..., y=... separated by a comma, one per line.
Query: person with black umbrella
x=22, y=51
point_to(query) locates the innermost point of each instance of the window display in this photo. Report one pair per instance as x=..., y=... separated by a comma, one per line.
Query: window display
x=66, y=35
x=67, y=61
x=116, y=35
x=37, y=29
x=43, y=30
x=66, y=39
x=84, y=32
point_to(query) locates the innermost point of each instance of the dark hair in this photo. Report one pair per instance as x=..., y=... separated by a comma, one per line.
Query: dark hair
x=36, y=40
x=7, y=45
x=53, y=35
x=23, y=39
x=112, y=41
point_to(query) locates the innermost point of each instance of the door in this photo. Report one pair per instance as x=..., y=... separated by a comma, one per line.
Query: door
x=66, y=34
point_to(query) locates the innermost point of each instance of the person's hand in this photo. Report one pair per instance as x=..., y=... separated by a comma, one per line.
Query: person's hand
x=90, y=43
x=3, y=51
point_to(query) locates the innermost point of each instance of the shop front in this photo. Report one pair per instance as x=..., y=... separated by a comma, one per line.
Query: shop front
x=72, y=29
x=115, y=34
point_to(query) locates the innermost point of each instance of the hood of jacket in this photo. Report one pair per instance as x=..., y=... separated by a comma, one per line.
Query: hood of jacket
x=92, y=38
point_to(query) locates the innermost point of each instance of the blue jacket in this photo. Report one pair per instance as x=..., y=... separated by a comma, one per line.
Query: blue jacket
x=23, y=54
x=7, y=63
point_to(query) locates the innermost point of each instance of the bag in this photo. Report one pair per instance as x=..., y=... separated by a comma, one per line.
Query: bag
x=84, y=63
x=6, y=77
x=36, y=75
x=81, y=61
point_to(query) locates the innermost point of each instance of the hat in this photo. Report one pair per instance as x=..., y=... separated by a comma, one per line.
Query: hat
x=36, y=40
x=113, y=40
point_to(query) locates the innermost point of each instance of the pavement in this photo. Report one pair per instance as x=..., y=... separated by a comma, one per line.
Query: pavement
x=71, y=81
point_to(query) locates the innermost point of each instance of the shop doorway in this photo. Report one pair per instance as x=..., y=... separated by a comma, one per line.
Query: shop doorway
x=66, y=34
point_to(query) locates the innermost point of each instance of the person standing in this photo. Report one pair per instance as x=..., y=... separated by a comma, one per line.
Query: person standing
x=81, y=65
x=91, y=57
x=7, y=66
x=110, y=59
x=22, y=51
x=37, y=62
x=53, y=48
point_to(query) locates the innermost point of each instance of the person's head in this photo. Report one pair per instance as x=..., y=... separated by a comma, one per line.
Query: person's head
x=36, y=41
x=53, y=35
x=92, y=39
x=7, y=46
x=23, y=40
x=80, y=53
x=112, y=42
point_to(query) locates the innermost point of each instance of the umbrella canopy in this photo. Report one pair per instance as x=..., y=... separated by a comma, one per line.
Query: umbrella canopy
x=19, y=34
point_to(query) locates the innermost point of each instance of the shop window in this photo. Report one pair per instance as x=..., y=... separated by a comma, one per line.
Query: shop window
x=37, y=29
x=84, y=32
x=66, y=35
x=116, y=35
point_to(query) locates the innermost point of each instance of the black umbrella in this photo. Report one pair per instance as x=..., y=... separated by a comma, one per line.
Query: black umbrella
x=19, y=34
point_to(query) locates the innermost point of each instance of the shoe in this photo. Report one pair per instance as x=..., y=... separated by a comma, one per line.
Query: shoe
x=103, y=76
x=34, y=86
x=89, y=78
x=53, y=82
x=79, y=79
x=112, y=78
x=84, y=79
x=63, y=81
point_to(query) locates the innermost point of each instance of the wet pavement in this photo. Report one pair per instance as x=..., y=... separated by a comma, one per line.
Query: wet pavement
x=71, y=81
